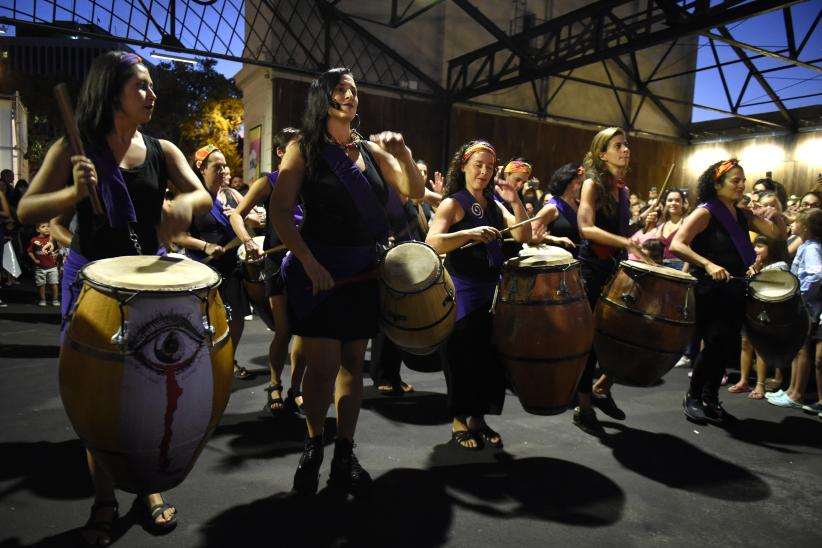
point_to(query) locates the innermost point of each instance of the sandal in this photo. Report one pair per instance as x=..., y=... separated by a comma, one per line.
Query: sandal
x=291, y=401
x=754, y=395
x=462, y=437
x=241, y=372
x=155, y=512
x=102, y=528
x=278, y=401
x=739, y=388
x=489, y=436
x=395, y=389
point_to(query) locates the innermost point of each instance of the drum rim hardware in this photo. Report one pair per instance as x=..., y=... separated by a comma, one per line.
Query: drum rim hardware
x=438, y=279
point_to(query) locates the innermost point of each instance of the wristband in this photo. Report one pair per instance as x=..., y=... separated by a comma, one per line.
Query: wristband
x=205, y=246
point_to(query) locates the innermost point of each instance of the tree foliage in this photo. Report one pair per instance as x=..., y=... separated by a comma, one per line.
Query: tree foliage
x=218, y=125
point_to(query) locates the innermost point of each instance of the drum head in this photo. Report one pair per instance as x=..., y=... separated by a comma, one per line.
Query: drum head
x=241, y=250
x=663, y=271
x=149, y=273
x=773, y=286
x=541, y=256
x=410, y=267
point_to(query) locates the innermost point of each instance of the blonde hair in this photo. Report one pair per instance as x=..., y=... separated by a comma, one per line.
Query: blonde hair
x=597, y=170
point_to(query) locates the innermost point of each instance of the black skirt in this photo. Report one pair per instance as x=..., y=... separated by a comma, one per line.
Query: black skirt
x=350, y=313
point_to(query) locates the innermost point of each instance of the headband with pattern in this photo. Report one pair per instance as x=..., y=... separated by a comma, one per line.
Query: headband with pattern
x=478, y=146
x=724, y=168
x=130, y=59
x=517, y=166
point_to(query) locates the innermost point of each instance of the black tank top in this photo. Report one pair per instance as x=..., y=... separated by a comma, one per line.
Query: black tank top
x=562, y=227
x=716, y=245
x=330, y=213
x=205, y=227
x=146, y=184
x=472, y=263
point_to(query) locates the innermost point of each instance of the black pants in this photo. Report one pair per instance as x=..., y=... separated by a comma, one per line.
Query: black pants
x=595, y=274
x=720, y=310
x=473, y=372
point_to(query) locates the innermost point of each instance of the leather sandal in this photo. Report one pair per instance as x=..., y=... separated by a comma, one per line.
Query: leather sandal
x=101, y=528
x=291, y=401
x=151, y=515
x=462, y=437
x=270, y=401
x=488, y=435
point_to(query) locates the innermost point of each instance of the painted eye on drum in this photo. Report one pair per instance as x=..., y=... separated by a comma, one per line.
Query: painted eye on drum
x=170, y=340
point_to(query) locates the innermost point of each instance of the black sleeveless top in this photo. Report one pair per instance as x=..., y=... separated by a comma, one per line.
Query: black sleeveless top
x=330, y=213
x=562, y=227
x=146, y=184
x=716, y=245
x=205, y=227
x=473, y=263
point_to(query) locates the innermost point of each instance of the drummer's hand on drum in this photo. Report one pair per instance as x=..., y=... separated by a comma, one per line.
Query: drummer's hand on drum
x=565, y=242
x=252, y=252
x=84, y=175
x=213, y=250
x=484, y=234
x=718, y=273
x=320, y=278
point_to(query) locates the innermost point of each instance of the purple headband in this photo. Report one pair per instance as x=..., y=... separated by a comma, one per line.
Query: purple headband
x=130, y=59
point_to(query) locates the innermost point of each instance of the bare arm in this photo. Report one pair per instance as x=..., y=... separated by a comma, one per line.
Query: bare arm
x=523, y=233
x=397, y=164
x=254, y=195
x=545, y=218
x=692, y=226
x=449, y=213
x=586, y=218
x=59, y=228
x=767, y=221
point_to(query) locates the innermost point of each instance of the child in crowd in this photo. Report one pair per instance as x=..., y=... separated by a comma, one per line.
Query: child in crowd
x=807, y=266
x=45, y=262
x=770, y=255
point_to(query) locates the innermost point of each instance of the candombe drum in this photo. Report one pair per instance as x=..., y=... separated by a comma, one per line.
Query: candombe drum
x=254, y=283
x=643, y=322
x=776, y=319
x=543, y=327
x=417, y=298
x=146, y=367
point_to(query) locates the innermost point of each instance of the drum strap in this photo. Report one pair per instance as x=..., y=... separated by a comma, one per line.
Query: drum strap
x=738, y=235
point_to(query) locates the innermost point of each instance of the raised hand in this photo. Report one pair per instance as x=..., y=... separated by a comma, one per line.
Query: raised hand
x=438, y=183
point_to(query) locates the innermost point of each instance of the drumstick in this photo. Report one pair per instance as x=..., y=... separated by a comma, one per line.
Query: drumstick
x=751, y=280
x=502, y=232
x=227, y=247
x=661, y=193
x=274, y=249
x=75, y=142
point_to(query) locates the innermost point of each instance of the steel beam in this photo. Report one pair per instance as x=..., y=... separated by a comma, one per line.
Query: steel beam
x=760, y=51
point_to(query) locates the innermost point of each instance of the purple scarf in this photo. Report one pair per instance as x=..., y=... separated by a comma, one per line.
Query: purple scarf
x=370, y=209
x=566, y=211
x=476, y=215
x=113, y=190
x=218, y=213
x=297, y=214
x=738, y=235
x=624, y=210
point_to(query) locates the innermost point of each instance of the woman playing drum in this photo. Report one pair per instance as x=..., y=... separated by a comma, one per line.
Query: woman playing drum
x=714, y=240
x=473, y=372
x=557, y=223
x=603, y=224
x=330, y=275
x=205, y=241
x=262, y=190
x=129, y=169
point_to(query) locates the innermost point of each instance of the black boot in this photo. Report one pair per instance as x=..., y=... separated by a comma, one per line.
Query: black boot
x=346, y=473
x=307, y=476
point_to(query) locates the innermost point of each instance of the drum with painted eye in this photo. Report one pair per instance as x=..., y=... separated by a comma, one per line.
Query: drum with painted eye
x=146, y=367
x=543, y=327
x=644, y=321
x=418, y=310
x=776, y=320
x=254, y=283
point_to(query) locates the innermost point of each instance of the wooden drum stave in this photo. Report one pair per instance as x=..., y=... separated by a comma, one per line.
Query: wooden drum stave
x=643, y=322
x=146, y=367
x=543, y=328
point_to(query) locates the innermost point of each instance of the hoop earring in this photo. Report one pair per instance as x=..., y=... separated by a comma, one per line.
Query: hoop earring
x=357, y=118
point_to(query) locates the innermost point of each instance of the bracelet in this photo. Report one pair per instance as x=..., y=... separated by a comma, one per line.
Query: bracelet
x=205, y=246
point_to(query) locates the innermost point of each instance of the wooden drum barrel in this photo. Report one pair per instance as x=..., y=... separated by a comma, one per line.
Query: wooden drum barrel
x=254, y=283
x=643, y=321
x=543, y=328
x=146, y=367
x=776, y=319
x=418, y=310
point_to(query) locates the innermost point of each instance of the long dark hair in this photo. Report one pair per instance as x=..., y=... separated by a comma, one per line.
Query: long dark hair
x=705, y=190
x=455, y=178
x=99, y=96
x=316, y=115
x=777, y=249
x=597, y=170
x=563, y=177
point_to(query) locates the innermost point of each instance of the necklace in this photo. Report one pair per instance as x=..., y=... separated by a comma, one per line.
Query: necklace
x=348, y=147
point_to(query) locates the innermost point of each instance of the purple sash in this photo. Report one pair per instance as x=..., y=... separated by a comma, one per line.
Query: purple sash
x=624, y=210
x=218, y=213
x=112, y=186
x=476, y=215
x=471, y=295
x=738, y=235
x=354, y=181
x=566, y=211
x=297, y=214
